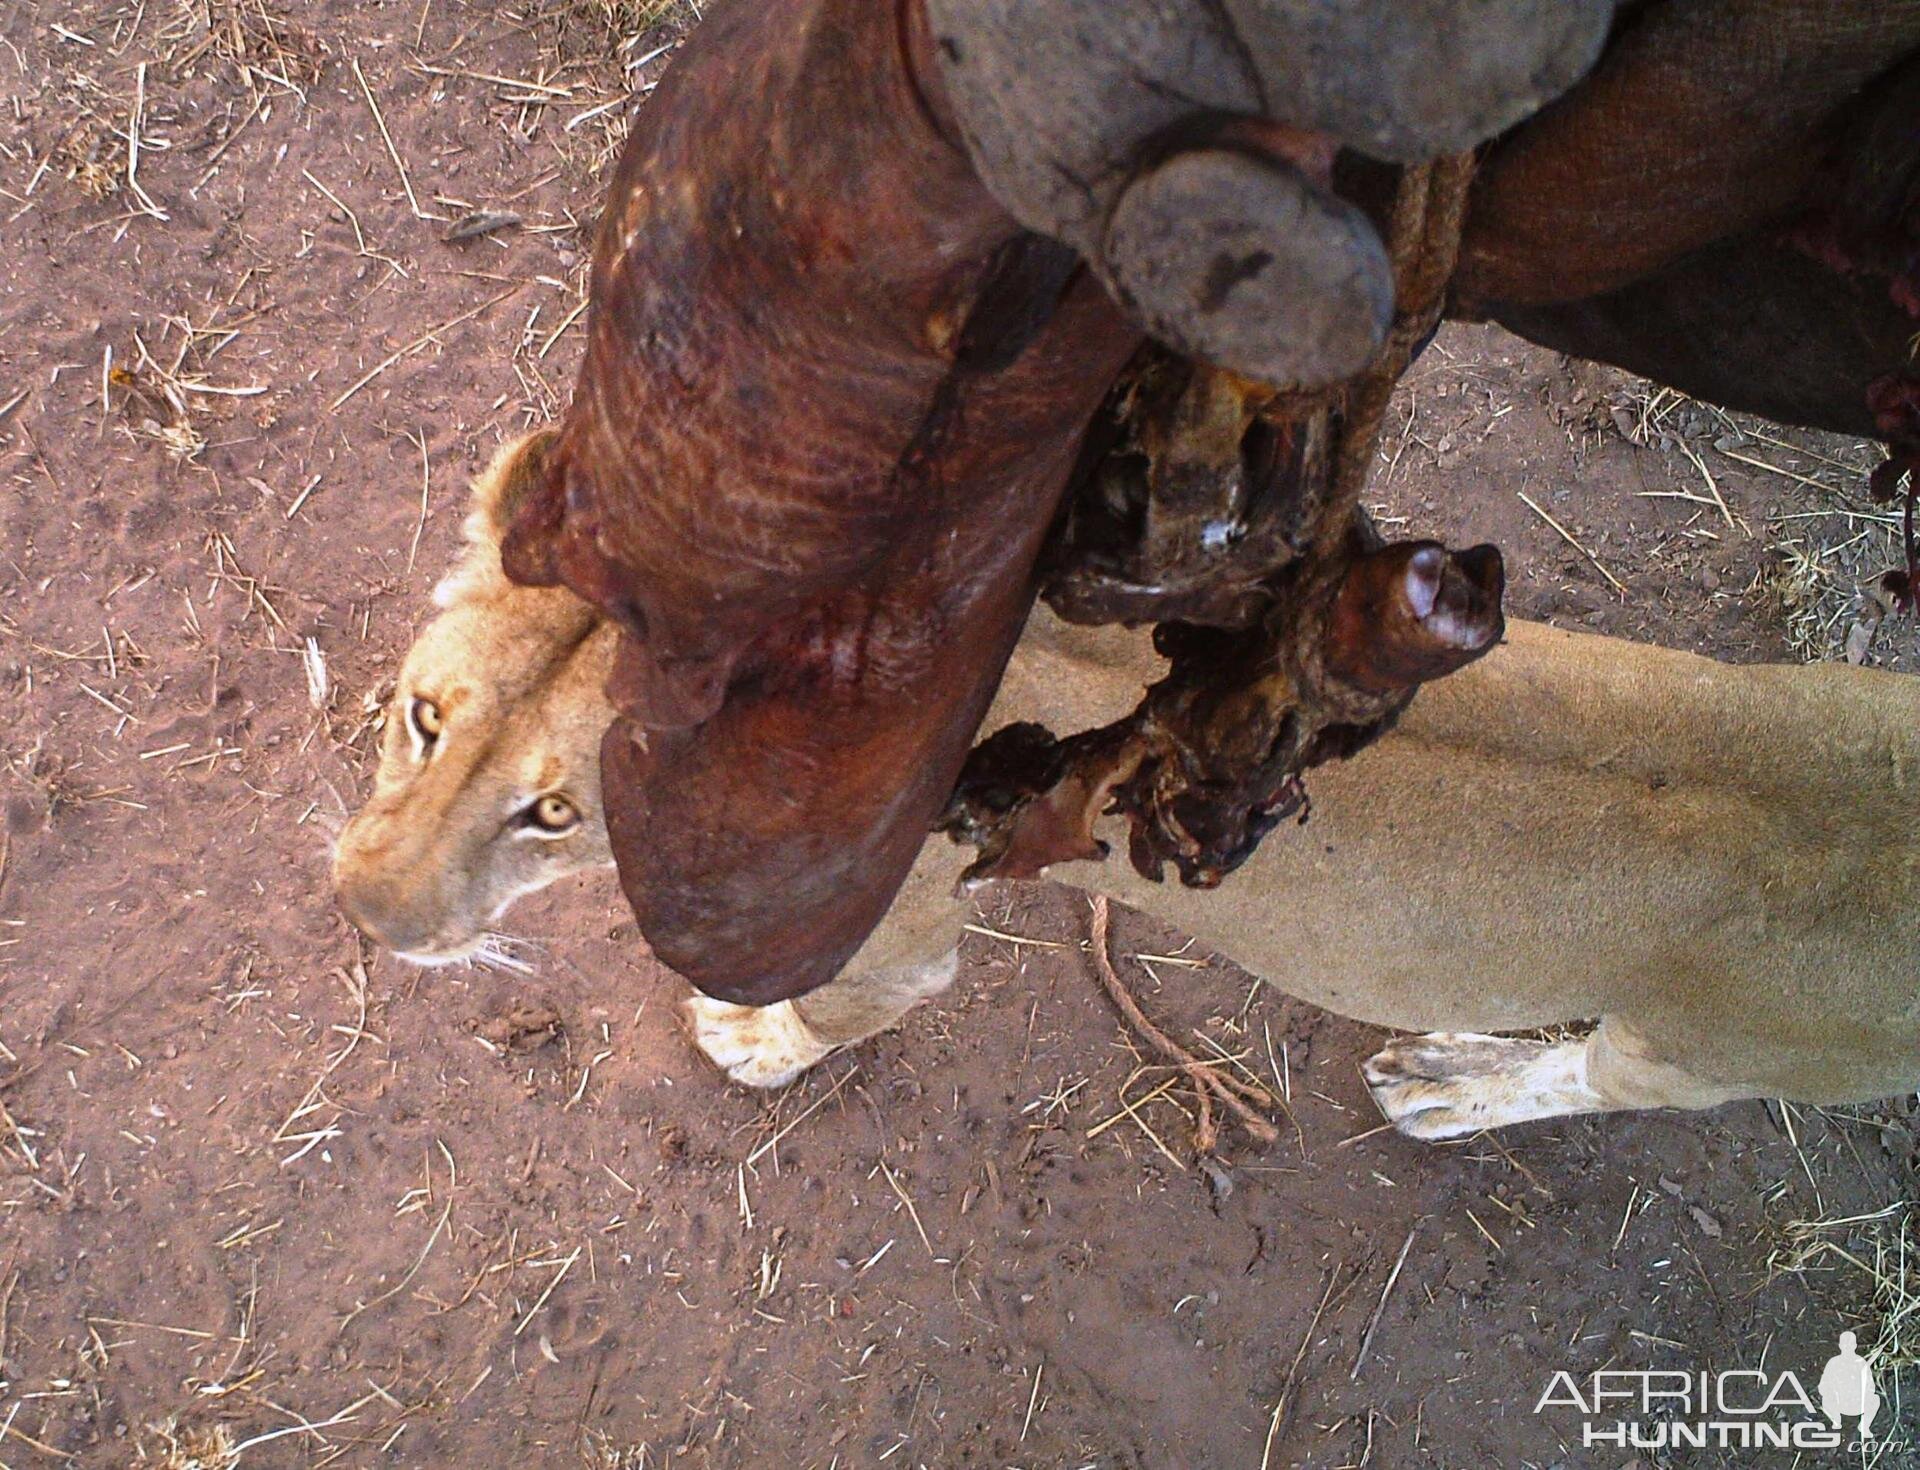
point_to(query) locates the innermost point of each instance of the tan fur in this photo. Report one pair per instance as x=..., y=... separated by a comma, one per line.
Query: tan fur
x=1715, y=860
x=1718, y=861
x=440, y=849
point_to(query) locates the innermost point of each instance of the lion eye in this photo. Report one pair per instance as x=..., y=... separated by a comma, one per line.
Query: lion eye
x=427, y=721
x=553, y=814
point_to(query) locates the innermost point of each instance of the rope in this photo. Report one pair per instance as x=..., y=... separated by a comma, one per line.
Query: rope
x=1423, y=246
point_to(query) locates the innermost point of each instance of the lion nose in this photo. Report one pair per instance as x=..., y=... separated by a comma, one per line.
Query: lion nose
x=374, y=905
x=369, y=911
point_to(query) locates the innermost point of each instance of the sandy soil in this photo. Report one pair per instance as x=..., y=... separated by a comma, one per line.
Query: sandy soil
x=261, y=1187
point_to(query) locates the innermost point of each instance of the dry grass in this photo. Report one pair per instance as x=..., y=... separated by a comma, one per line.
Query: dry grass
x=1827, y=544
x=617, y=48
x=93, y=154
x=263, y=48
x=1824, y=560
x=600, y=1453
x=197, y=1447
x=164, y=400
x=1873, y=1261
x=1772, y=518
x=86, y=159
x=1880, y=1253
x=617, y=24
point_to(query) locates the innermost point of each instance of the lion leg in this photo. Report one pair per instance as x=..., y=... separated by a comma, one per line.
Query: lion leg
x=769, y=1046
x=1448, y=1084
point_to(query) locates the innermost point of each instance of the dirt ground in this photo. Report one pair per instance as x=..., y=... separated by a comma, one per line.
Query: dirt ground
x=262, y=1188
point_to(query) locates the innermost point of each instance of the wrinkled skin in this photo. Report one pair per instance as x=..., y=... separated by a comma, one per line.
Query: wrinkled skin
x=831, y=395
x=1730, y=204
x=834, y=387
x=1725, y=202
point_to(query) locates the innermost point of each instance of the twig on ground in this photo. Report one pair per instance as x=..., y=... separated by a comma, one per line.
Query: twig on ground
x=1209, y=1083
x=815, y=1107
x=1567, y=536
x=426, y=485
x=422, y=340
x=393, y=152
x=1293, y=1369
x=1366, y=1338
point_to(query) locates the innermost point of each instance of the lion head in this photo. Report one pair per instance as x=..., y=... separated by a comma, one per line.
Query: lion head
x=489, y=779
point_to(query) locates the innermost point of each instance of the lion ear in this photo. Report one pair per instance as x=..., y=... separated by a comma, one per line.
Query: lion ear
x=532, y=518
x=517, y=470
x=502, y=490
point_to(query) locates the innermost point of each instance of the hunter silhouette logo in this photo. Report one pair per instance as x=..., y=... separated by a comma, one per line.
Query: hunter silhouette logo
x=1729, y=1408
x=1846, y=1387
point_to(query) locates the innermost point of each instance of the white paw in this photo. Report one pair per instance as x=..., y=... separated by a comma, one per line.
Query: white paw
x=756, y=1046
x=1449, y=1084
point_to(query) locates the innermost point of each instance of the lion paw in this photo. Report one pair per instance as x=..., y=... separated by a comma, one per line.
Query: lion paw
x=1449, y=1084
x=756, y=1046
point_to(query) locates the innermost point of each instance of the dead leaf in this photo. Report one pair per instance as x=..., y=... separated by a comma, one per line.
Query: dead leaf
x=480, y=222
x=524, y=1028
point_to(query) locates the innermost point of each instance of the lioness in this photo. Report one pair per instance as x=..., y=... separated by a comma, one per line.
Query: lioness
x=489, y=780
x=1717, y=861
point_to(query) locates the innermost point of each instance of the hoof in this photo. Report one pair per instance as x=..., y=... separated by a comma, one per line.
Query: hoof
x=756, y=1046
x=1245, y=263
x=1412, y=612
x=1406, y=80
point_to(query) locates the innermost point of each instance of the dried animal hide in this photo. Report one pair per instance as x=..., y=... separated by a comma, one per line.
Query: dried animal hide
x=832, y=393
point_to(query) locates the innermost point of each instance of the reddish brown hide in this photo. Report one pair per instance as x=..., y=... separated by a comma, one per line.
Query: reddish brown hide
x=1703, y=119
x=832, y=391
x=831, y=396
x=1726, y=204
